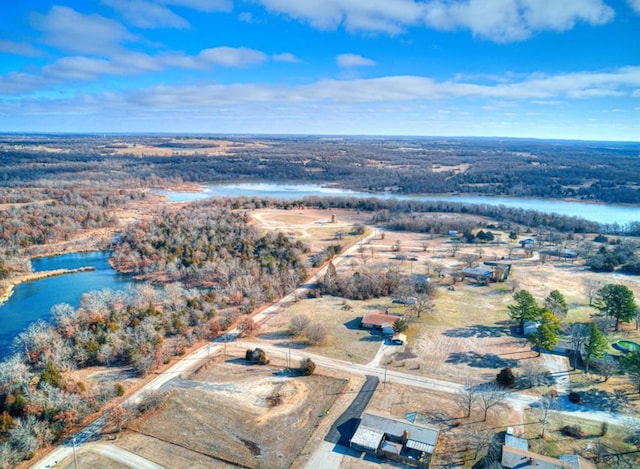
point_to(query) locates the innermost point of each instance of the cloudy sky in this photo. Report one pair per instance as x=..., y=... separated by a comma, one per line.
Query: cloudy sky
x=518, y=68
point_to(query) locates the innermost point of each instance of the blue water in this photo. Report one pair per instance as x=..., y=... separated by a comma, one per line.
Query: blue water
x=600, y=213
x=33, y=300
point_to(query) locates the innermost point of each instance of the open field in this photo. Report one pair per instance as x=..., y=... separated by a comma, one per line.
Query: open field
x=235, y=413
x=469, y=333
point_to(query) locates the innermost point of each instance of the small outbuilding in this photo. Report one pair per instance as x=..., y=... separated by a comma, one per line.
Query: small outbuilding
x=399, y=339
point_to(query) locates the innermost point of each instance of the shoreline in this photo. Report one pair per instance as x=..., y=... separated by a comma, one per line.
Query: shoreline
x=25, y=278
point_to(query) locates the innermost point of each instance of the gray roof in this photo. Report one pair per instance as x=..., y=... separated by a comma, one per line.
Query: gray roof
x=515, y=442
x=366, y=437
x=478, y=271
x=421, y=437
x=576, y=461
x=513, y=458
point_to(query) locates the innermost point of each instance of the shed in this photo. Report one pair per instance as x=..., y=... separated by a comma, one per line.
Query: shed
x=399, y=339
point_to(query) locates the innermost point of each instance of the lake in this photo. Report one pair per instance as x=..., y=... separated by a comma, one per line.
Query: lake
x=600, y=213
x=33, y=300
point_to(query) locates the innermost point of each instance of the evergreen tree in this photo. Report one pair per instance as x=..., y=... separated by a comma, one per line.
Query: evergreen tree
x=595, y=345
x=616, y=301
x=525, y=308
x=400, y=325
x=546, y=335
x=557, y=303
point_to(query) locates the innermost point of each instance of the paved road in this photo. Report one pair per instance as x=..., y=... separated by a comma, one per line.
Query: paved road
x=422, y=382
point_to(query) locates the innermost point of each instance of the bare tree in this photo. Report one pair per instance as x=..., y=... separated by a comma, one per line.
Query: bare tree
x=247, y=326
x=298, y=324
x=547, y=404
x=454, y=248
x=422, y=304
x=467, y=397
x=534, y=373
x=480, y=437
x=316, y=333
x=491, y=395
x=469, y=259
x=592, y=286
x=362, y=252
x=117, y=416
x=577, y=335
x=608, y=367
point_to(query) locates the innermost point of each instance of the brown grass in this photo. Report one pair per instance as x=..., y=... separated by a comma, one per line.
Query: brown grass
x=230, y=418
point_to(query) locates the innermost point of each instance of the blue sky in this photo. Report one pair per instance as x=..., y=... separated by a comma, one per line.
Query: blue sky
x=516, y=68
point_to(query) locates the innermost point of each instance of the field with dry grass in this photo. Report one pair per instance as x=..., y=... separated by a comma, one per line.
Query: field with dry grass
x=234, y=413
x=469, y=332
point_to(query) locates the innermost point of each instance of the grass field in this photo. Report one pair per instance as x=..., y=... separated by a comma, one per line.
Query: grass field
x=237, y=413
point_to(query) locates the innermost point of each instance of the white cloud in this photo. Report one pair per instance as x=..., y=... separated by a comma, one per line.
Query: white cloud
x=514, y=20
x=15, y=83
x=19, y=48
x=285, y=57
x=353, y=60
x=146, y=14
x=635, y=5
x=232, y=56
x=202, y=5
x=496, y=20
x=355, y=15
x=396, y=88
x=68, y=30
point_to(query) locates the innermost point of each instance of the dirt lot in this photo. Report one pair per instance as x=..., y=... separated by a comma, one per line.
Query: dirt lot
x=236, y=413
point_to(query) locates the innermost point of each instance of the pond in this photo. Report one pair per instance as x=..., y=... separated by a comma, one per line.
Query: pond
x=600, y=213
x=33, y=300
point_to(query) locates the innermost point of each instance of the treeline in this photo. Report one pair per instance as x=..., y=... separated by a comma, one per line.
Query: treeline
x=525, y=168
x=412, y=215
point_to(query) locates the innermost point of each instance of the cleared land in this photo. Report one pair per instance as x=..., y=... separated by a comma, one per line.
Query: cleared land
x=234, y=413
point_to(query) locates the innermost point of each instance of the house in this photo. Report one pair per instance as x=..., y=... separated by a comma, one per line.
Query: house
x=489, y=272
x=480, y=274
x=516, y=455
x=379, y=321
x=398, y=440
x=527, y=242
x=562, y=253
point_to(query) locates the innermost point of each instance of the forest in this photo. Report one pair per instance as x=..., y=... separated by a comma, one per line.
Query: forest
x=605, y=172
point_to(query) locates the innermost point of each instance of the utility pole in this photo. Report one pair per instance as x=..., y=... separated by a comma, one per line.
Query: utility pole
x=384, y=382
x=75, y=458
